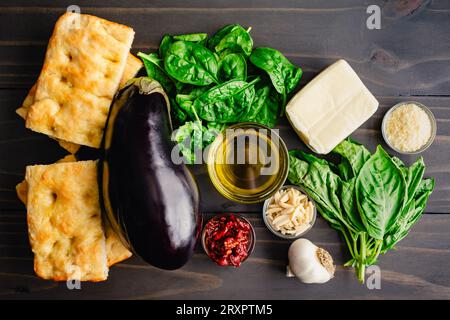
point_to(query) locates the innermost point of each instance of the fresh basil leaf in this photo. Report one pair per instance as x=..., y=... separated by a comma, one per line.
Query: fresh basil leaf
x=349, y=204
x=411, y=213
x=191, y=63
x=356, y=155
x=414, y=178
x=236, y=39
x=283, y=74
x=380, y=193
x=233, y=66
x=320, y=183
x=226, y=102
x=345, y=170
x=424, y=191
x=399, y=163
x=374, y=210
x=155, y=70
x=297, y=168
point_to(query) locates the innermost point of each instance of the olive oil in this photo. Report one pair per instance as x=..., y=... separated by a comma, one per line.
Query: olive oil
x=248, y=163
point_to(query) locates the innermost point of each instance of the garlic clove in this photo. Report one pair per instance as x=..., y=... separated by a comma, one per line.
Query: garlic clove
x=309, y=263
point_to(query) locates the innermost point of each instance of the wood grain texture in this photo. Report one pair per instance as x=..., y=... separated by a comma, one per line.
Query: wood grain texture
x=408, y=59
x=261, y=276
x=410, y=55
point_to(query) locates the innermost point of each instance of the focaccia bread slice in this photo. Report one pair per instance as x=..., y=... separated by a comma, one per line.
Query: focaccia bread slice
x=115, y=250
x=64, y=221
x=83, y=65
x=132, y=67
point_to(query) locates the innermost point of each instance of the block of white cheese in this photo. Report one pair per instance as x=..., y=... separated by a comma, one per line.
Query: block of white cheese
x=330, y=107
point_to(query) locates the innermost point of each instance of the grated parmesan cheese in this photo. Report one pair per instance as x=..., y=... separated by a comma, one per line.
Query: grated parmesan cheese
x=408, y=128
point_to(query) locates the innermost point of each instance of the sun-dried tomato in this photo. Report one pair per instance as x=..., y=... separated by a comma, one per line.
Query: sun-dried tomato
x=227, y=239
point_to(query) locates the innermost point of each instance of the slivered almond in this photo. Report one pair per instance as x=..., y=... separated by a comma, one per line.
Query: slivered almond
x=274, y=210
x=285, y=205
x=284, y=198
x=290, y=212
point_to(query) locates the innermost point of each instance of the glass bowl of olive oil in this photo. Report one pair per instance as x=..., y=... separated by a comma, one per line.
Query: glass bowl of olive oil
x=248, y=162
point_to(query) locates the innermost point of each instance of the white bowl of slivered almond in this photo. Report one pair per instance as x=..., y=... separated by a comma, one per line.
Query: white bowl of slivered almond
x=290, y=213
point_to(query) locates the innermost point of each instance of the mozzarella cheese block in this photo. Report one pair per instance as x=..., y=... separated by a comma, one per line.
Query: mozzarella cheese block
x=330, y=107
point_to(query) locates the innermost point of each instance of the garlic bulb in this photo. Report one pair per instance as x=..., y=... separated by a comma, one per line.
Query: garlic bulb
x=309, y=263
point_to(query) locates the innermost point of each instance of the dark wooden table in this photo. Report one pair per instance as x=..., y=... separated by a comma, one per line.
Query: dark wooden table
x=408, y=59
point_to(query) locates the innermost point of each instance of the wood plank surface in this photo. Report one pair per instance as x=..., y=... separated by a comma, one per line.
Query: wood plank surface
x=408, y=59
x=410, y=55
x=404, y=271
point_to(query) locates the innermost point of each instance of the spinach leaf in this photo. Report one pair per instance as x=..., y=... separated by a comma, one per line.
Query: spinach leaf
x=232, y=38
x=189, y=139
x=191, y=63
x=193, y=137
x=219, y=35
x=233, y=66
x=199, y=38
x=164, y=45
x=380, y=193
x=186, y=101
x=283, y=74
x=212, y=131
x=177, y=114
x=265, y=107
x=226, y=102
x=155, y=70
x=236, y=39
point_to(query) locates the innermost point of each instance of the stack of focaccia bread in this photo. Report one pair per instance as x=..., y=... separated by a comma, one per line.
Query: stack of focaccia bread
x=87, y=60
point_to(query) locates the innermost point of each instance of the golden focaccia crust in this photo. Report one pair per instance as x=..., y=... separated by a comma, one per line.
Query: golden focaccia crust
x=22, y=187
x=68, y=146
x=132, y=67
x=29, y=100
x=115, y=250
x=22, y=190
x=64, y=221
x=83, y=65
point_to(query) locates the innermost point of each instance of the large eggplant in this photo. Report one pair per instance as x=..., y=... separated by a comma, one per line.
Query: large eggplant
x=152, y=203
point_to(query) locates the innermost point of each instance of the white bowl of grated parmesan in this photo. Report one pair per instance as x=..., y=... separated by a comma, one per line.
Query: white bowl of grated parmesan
x=409, y=127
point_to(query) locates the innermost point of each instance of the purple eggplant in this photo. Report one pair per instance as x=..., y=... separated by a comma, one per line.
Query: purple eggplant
x=150, y=201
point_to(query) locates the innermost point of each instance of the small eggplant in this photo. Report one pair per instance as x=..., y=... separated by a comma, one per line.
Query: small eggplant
x=152, y=203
